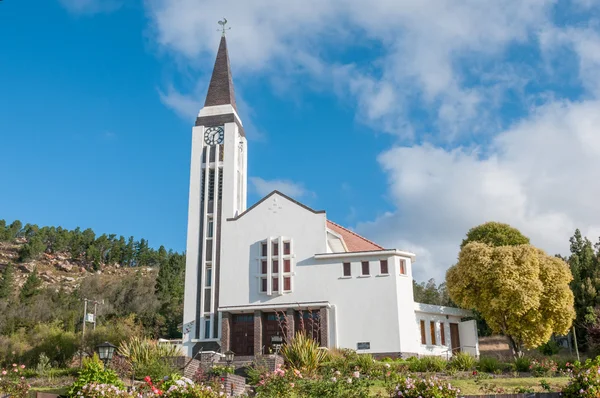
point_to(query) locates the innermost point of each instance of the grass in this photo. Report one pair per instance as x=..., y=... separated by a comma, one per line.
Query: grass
x=472, y=386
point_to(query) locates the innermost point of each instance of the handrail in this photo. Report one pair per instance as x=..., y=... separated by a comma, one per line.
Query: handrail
x=452, y=349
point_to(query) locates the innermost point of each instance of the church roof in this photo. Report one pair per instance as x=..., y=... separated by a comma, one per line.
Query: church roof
x=220, y=89
x=354, y=242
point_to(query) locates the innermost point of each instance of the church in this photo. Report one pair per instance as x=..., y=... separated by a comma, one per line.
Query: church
x=256, y=275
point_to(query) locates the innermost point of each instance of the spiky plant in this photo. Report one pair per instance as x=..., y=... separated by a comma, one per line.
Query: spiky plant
x=303, y=353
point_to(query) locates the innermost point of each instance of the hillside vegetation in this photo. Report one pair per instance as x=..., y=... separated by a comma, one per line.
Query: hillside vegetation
x=47, y=272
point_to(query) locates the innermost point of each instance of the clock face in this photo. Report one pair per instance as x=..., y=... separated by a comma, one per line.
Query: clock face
x=213, y=135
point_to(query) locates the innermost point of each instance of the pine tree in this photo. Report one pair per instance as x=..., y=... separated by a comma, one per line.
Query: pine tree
x=7, y=282
x=31, y=286
x=32, y=249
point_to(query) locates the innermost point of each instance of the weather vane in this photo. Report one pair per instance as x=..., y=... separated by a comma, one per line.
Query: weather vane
x=223, y=28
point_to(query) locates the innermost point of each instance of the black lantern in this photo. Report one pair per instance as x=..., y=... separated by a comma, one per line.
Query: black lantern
x=106, y=351
x=229, y=357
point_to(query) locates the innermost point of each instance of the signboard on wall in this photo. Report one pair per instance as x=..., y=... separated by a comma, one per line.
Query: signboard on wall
x=363, y=345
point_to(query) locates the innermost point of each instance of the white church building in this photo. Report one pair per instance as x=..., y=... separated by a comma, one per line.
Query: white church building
x=251, y=270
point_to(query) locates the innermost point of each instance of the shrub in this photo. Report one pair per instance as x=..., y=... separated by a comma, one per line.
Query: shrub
x=57, y=345
x=585, y=380
x=408, y=387
x=428, y=364
x=93, y=372
x=219, y=370
x=549, y=348
x=462, y=361
x=545, y=367
x=522, y=364
x=335, y=385
x=303, y=353
x=149, y=358
x=489, y=365
x=12, y=382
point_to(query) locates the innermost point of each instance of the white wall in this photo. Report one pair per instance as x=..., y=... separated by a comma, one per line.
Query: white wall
x=438, y=315
x=468, y=337
x=366, y=309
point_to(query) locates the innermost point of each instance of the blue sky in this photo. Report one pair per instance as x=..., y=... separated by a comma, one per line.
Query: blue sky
x=409, y=121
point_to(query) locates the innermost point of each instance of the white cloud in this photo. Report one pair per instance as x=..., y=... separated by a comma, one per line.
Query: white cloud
x=422, y=43
x=541, y=178
x=88, y=7
x=264, y=187
x=186, y=106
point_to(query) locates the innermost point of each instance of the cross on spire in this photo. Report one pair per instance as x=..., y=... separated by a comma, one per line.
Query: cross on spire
x=223, y=28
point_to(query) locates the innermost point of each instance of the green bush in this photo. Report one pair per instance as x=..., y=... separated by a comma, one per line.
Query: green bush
x=93, y=371
x=149, y=358
x=303, y=353
x=56, y=344
x=489, y=365
x=585, y=380
x=549, y=348
x=522, y=364
x=463, y=361
x=427, y=364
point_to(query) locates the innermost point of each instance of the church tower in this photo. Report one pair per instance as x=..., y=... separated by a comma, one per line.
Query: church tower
x=218, y=183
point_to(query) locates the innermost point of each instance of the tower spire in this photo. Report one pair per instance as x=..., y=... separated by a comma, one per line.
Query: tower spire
x=220, y=89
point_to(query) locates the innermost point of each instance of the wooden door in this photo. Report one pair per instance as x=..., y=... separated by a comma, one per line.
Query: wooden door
x=270, y=328
x=242, y=334
x=454, y=337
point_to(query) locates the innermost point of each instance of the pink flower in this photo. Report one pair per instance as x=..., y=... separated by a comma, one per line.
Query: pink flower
x=22, y=366
x=4, y=372
x=14, y=365
x=292, y=385
x=356, y=374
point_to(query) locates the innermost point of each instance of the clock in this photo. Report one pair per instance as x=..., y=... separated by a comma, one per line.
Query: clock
x=213, y=135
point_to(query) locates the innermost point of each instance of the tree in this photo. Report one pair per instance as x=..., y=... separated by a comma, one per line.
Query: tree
x=430, y=293
x=495, y=234
x=31, y=286
x=520, y=291
x=32, y=249
x=7, y=283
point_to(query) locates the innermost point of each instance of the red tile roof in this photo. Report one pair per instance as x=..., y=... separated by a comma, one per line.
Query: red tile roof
x=353, y=241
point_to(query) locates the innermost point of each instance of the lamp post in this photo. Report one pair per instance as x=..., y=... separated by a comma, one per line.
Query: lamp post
x=106, y=352
x=229, y=357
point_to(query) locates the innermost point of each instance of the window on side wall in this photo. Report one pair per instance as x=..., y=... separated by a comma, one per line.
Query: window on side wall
x=402, y=267
x=263, y=249
x=432, y=331
x=383, y=264
x=207, y=328
x=442, y=333
x=365, y=268
x=347, y=269
x=263, y=285
x=423, y=334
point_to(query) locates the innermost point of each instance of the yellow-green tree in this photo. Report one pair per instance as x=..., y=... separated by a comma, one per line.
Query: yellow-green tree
x=520, y=291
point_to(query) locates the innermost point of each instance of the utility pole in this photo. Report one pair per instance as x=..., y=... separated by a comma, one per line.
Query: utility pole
x=85, y=320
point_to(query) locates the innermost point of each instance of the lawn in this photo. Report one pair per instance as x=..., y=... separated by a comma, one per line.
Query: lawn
x=472, y=386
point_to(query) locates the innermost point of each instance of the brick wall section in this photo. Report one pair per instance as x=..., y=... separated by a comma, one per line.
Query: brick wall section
x=291, y=326
x=234, y=385
x=257, y=332
x=225, y=332
x=324, y=325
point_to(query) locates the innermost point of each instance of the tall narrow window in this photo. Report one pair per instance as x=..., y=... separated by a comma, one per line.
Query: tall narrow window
x=432, y=331
x=263, y=249
x=263, y=285
x=207, y=299
x=402, y=267
x=442, y=333
x=286, y=248
x=263, y=266
x=384, y=267
x=275, y=285
x=287, y=283
x=423, y=333
x=275, y=266
x=209, y=228
x=207, y=328
x=208, y=277
x=275, y=249
x=287, y=265
x=365, y=268
x=347, y=269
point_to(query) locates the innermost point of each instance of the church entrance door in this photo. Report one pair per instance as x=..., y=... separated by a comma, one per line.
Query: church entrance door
x=271, y=329
x=242, y=334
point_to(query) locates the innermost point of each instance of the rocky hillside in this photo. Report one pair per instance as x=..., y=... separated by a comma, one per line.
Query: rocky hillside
x=59, y=270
